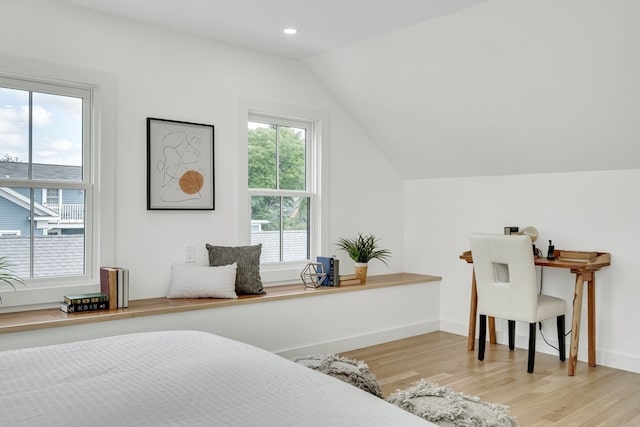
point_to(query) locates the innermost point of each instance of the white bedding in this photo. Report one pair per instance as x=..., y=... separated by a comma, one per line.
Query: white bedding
x=178, y=378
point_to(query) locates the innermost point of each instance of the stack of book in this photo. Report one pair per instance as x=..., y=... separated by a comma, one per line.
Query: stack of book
x=331, y=267
x=114, y=281
x=85, y=302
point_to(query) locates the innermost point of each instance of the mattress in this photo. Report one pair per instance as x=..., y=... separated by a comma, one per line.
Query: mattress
x=178, y=378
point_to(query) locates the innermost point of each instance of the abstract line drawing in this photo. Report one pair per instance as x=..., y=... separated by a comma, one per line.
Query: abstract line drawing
x=180, y=155
x=179, y=165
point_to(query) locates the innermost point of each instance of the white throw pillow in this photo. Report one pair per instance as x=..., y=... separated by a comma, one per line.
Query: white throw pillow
x=189, y=281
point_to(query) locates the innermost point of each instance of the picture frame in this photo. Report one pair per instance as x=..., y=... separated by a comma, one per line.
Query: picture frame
x=180, y=165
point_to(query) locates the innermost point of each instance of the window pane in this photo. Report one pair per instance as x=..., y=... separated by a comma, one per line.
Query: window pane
x=15, y=229
x=265, y=226
x=296, y=228
x=292, y=158
x=59, y=255
x=14, y=133
x=262, y=155
x=57, y=137
x=58, y=232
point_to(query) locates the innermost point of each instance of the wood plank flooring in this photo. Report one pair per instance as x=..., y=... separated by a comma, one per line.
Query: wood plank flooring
x=598, y=396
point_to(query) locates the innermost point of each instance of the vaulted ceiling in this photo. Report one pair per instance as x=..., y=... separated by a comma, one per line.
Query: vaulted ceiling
x=258, y=24
x=448, y=88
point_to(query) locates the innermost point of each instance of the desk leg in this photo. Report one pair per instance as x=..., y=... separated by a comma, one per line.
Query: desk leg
x=575, y=324
x=591, y=312
x=492, y=330
x=473, y=315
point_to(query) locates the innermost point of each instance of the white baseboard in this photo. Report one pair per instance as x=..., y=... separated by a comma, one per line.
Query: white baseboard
x=355, y=342
x=625, y=362
x=454, y=327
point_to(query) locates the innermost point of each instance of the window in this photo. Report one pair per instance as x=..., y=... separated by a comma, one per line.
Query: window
x=45, y=180
x=283, y=196
x=280, y=159
x=52, y=197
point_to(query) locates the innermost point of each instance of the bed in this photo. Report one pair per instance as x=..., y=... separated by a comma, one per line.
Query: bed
x=178, y=378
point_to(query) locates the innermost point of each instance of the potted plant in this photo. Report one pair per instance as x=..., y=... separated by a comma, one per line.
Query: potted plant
x=361, y=250
x=7, y=276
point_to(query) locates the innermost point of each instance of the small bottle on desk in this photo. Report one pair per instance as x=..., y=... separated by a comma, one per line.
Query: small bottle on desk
x=550, y=252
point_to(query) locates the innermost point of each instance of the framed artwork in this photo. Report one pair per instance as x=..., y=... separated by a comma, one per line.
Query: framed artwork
x=180, y=171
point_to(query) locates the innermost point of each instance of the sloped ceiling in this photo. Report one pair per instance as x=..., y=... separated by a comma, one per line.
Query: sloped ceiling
x=505, y=87
x=257, y=24
x=448, y=88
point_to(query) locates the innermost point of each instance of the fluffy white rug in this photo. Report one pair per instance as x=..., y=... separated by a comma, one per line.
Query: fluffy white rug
x=447, y=408
x=354, y=372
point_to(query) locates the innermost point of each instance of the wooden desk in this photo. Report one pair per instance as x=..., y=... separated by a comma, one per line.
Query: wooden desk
x=585, y=270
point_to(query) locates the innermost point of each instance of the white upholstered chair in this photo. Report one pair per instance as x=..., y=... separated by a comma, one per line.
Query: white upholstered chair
x=507, y=289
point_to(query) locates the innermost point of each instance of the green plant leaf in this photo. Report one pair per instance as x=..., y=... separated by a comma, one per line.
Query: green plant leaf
x=7, y=276
x=364, y=249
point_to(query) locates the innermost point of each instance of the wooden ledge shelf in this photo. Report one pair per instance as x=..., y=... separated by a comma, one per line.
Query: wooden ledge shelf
x=54, y=317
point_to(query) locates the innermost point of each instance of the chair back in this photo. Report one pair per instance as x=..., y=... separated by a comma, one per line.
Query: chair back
x=505, y=276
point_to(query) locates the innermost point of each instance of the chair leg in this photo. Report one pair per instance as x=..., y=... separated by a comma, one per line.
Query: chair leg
x=512, y=334
x=482, y=336
x=561, y=344
x=532, y=347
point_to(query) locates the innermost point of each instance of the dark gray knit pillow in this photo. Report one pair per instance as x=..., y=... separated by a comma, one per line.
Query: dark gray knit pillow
x=248, y=280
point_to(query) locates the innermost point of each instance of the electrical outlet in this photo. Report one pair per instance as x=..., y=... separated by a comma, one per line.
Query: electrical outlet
x=189, y=254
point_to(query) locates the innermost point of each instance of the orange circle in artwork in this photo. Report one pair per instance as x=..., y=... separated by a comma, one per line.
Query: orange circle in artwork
x=191, y=182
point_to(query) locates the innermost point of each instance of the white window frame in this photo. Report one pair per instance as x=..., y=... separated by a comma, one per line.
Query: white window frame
x=317, y=177
x=99, y=159
x=309, y=191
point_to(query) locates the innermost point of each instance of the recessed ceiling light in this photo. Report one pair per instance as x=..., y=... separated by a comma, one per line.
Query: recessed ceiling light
x=290, y=31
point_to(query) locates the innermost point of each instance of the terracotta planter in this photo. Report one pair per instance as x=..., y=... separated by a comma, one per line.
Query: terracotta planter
x=361, y=271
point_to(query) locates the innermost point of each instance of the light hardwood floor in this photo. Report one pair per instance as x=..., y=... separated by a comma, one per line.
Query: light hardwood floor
x=598, y=396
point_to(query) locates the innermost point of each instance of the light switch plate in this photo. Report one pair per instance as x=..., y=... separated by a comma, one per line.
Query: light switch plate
x=189, y=253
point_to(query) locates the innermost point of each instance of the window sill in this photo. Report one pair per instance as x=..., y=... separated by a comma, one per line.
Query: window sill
x=51, y=318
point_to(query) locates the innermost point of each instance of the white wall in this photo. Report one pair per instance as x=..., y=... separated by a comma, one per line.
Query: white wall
x=328, y=323
x=589, y=211
x=165, y=74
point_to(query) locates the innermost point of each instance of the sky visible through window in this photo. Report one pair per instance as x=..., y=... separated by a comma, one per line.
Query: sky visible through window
x=57, y=127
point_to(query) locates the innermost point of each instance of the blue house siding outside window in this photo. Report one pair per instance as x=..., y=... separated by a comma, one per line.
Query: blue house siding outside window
x=14, y=219
x=66, y=216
